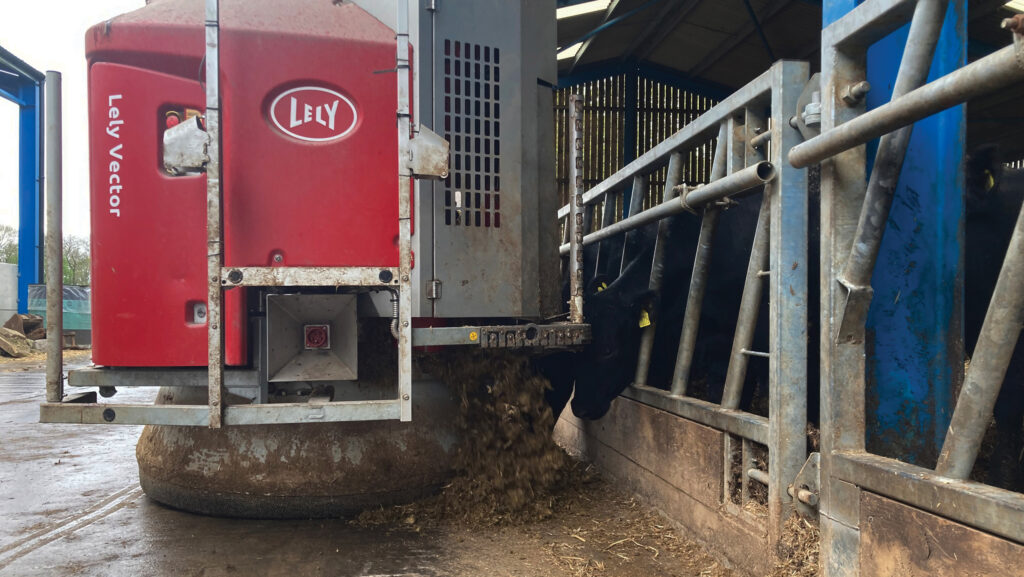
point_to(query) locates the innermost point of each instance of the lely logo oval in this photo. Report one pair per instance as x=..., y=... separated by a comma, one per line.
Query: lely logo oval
x=313, y=114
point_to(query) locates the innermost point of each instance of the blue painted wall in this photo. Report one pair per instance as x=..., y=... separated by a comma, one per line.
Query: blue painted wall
x=914, y=326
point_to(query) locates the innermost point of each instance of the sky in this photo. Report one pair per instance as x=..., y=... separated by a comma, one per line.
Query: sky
x=50, y=35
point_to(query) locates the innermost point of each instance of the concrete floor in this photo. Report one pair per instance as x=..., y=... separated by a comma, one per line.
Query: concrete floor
x=70, y=504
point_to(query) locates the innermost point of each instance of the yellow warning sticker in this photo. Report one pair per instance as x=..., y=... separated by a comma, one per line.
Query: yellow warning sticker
x=473, y=336
x=645, y=319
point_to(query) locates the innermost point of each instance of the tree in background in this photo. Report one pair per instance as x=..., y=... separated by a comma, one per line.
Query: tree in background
x=8, y=244
x=76, y=255
x=76, y=260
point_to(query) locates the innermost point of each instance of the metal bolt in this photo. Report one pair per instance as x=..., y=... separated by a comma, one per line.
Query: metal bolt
x=1015, y=24
x=405, y=278
x=405, y=397
x=405, y=323
x=235, y=276
x=278, y=258
x=854, y=93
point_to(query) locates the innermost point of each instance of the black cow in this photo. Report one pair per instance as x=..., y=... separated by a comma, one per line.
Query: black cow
x=993, y=203
x=608, y=364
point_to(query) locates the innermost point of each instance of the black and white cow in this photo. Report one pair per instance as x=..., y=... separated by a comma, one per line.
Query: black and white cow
x=993, y=202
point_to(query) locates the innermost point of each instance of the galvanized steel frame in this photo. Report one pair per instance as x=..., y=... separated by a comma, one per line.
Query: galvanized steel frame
x=846, y=466
x=740, y=118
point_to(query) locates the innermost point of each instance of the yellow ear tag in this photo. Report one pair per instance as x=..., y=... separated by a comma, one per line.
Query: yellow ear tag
x=990, y=181
x=645, y=319
x=602, y=286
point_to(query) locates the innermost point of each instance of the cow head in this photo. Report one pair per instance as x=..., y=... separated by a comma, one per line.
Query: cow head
x=608, y=364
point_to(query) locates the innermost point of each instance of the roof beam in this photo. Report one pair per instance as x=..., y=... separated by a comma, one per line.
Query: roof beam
x=667, y=27
x=734, y=40
x=586, y=43
x=653, y=24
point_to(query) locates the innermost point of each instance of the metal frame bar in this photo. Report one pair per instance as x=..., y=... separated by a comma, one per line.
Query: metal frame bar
x=214, y=219
x=54, y=242
x=198, y=415
x=846, y=466
x=311, y=276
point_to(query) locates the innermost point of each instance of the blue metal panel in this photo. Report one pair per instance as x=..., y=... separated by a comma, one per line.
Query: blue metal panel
x=30, y=191
x=833, y=10
x=914, y=325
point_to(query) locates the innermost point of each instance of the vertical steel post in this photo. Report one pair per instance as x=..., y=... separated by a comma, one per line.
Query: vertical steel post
x=54, y=239
x=574, y=223
x=842, y=364
x=607, y=219
x=214, y=243
x=788, y=300
x=996, y=343
x=701, y=267
x=404, y=211
x=673, y=178
x=636, y=205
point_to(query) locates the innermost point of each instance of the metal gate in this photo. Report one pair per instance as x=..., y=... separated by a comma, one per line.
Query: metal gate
x=853, y=219
x=752, y=130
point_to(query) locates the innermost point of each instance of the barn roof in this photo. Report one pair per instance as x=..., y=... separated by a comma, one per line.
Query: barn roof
x=716, y=46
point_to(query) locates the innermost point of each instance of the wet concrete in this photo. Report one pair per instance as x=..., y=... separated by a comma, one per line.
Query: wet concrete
x=70, y=505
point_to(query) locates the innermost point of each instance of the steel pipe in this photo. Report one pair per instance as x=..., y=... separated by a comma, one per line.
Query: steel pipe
x=673, y=177
x=699, y=277
x=750, y=306
x=751, y=177
x=54, y=240
x=636, y=206
x=758, y=475
x=984, y=76
x=992, y=354
x=892, y=150
x=743, y=180
x=575, y=223
x=608, y=208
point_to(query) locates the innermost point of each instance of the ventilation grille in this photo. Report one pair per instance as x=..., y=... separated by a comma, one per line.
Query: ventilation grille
x=472, y=124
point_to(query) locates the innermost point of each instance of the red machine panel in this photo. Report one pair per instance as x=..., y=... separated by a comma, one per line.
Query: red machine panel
x=309, y=173
x=148, y=230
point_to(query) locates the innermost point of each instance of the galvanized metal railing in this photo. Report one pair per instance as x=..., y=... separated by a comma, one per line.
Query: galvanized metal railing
x=849, y=255
x=752, y=130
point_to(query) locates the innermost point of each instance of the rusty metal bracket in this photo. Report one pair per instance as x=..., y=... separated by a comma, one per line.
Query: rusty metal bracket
x=807, y=116
x=807, y=486
x=428, y=155
x=534, y=336
x=853, y=315
x=186, y=148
